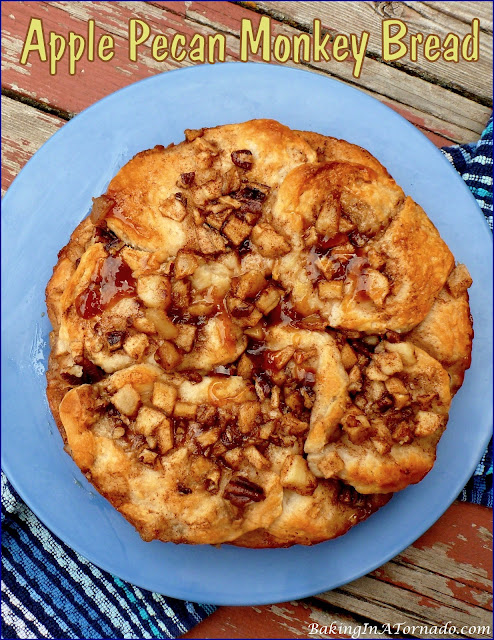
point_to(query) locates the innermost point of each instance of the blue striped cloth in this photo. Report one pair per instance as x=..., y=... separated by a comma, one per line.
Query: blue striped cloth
x=474, y=163
x=50, y=591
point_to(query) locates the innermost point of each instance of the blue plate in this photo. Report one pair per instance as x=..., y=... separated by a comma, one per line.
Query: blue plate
x=53, y=193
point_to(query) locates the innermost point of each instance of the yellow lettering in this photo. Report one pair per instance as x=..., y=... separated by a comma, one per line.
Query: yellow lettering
x=298, y=41
x=90, y=40
x=248, y=41
x=389, y=40
x=76, y=49
x=451, y=46
x=415, y=39
x=178, y=41
x=136, y=40
x=197, y=47
x=320, y=46
x=431, y=47
x=220, y=40
x=470, y=44
x=160, y=43
x=57, y=49
x=281, y=50
x=358, y=52
x=105, y=44
x=340, y=44
x=35, y=30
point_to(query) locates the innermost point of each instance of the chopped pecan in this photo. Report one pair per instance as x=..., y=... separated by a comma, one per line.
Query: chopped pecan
x=242, y=158
x=183, y=489
x=186, y=179
x=240, y=491
x=115, y=339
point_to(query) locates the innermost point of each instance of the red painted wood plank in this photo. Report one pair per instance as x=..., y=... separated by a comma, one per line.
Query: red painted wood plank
x=96, y=79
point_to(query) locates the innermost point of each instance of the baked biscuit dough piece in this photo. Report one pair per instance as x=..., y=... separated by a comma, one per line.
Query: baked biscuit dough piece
x=397, y=411
x=327, y=510
x=165, y=488
x=446, y=332
x=329, y=149
x=386, y=280
x=331, y=380
x=155, y=200
x=370, y=260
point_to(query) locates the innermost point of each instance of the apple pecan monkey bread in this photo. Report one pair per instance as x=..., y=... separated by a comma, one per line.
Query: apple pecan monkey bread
x=256, y=338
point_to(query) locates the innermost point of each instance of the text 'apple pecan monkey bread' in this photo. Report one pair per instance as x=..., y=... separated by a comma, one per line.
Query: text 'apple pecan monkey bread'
x=256, y=338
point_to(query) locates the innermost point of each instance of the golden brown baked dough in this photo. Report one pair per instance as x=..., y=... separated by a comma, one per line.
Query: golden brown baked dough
x=256, y=338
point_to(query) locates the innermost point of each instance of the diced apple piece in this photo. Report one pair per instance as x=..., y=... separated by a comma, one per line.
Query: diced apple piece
x=256, y=459
x=248, y=416
x=388, y=363
x=296, y=475
x=126, y=400
x=136, y=345
x=245, y=366
x=328, y=220
x=269, y=243
x=266, y=430
x=185, y=264
x=348, y=357
x=164, y=435
x=164, y=326
x=331, y=290
x=168, y=356
x=399, y=392
x=154, y=291
x=186, y=337
x=148, y=420
x=268, y=299
x=377, y=286
x=147, y=457
x=426, y=423
x=249, y=284
x=144, y=325
x=234, y=457
x=405, y=349
x=185, y=410
x=236, y=230
x=181, y=293
x=164, y=397
x=208, y=437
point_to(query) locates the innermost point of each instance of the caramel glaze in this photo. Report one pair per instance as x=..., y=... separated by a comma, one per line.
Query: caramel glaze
x=110, y=282
x=347, y=266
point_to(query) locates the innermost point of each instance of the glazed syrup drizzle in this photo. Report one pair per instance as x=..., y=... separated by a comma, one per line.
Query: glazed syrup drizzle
x=112, y=281
x=350, y=265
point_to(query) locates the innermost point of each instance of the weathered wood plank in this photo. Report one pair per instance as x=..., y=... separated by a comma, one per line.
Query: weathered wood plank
x=355, y=17
x=467, y=11
x=24, y=130
x=428, y=105
x=446, y=575
x=285, y=620
x=431, y=107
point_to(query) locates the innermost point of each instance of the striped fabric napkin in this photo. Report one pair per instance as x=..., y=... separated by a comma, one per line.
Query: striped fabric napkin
x=474, y=163
x=50, y=591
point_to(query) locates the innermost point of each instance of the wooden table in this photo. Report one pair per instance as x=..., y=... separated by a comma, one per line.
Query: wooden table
x=446, y=575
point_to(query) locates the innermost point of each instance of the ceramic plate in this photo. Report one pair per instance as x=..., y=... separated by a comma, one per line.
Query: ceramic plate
x=53, y=193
